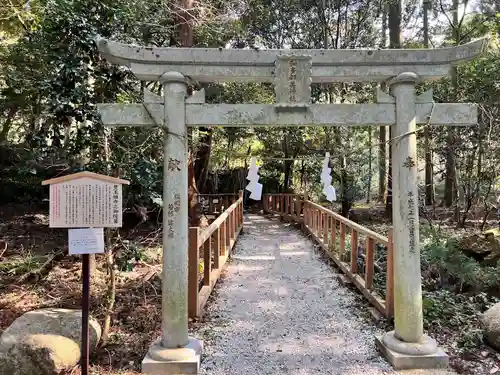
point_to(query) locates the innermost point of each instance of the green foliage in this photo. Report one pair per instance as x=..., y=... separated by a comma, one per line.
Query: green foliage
x=443, y=263
x=129, y=255
x=21, y=264
x=458, y=312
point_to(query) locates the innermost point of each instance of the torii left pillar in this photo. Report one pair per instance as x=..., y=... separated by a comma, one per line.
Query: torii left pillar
x=175, y=352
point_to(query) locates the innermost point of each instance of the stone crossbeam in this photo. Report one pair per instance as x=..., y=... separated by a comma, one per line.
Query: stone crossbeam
x=241, y=115
x=219, y=64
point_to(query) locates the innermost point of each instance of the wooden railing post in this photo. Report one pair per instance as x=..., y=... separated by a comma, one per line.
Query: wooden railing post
x=217, y=248
x=325, y=228
x=242, y=214
x=297, y=207
x=342, y=240
x=207, y=261
x=333, y=234
x=282, y=206
x=223, y=238
x=369, y=259
x=354, y=251
x=242, y=208
x=389, y=293
x=315, y=220
x=193, y=262
x=234, y=222
x=230, y=217
x=227, y=225
x=318, y=218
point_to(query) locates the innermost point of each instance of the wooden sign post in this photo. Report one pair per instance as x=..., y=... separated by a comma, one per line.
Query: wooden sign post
x=91, y=202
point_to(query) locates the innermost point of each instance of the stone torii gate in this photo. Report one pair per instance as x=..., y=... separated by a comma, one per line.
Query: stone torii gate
x=292, y=72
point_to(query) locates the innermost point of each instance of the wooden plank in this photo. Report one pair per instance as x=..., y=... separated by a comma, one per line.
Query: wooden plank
x=354, y=251
x=362, y=230
x=193, y=262
x=369, y=261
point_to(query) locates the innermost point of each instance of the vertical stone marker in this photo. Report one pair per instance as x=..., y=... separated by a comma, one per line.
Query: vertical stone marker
x=407, y=346
x=174, y=352
x=292, y=72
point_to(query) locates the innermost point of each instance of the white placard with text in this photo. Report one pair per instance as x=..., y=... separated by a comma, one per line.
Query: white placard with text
x=85, y=202
x=86, y=241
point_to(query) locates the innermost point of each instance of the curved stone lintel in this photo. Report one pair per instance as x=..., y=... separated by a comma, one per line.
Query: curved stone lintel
x=219, y=64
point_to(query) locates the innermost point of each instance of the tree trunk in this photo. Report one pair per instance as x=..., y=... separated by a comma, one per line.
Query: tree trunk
x=450, y=189
x=382, y=163
x=382, y=148
x=394, y=42
x=8, y=124
x=288, y=170
x=429, y=175
x=185, y=36
x=110, y=259
x=203, y=159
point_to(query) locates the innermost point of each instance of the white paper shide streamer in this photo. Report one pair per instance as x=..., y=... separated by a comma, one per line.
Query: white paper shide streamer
x=326, y=179
x=254, y=187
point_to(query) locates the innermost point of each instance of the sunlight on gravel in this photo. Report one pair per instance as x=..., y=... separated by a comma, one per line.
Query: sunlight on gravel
x=280, y=310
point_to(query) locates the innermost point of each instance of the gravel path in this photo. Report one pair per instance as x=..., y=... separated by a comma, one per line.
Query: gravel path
x=280, y=310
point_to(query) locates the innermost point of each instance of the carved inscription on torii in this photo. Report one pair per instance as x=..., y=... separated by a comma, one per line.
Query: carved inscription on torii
x=292, y=84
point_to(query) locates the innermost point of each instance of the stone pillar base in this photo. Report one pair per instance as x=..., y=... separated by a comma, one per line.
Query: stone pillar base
x=180, y=361
x=403, y=355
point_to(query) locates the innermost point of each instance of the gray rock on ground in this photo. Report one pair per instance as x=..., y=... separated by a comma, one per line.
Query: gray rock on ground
x=490, y=321
x=44, y=342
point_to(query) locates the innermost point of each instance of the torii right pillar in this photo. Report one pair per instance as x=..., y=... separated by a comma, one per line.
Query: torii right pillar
x=407, y=347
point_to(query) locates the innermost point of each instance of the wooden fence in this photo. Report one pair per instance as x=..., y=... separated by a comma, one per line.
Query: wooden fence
x=287, y=206
x=332, y=232
x=216, y=242
x=216, y=203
